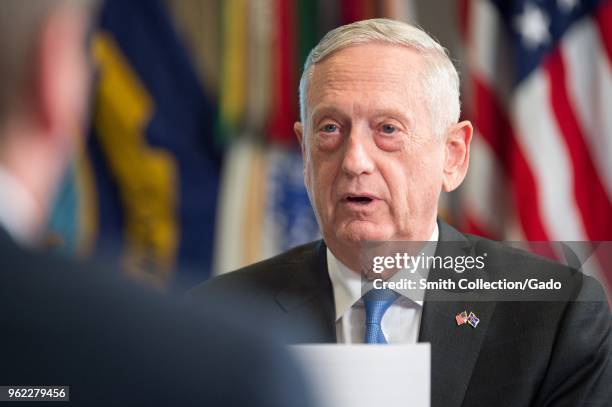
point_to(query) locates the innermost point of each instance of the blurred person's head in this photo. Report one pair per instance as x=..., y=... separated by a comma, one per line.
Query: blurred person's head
x=379, y=105
x=44, y=78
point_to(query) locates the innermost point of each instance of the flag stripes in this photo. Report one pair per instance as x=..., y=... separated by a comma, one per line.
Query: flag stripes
x=537, y=95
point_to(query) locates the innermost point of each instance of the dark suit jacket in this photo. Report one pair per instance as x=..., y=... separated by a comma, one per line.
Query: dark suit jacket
x=115, y=343
x=522, y=353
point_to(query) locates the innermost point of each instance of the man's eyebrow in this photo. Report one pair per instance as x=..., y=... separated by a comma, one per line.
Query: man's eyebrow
x=399, y=114
x=403, y=115
x=326, y=110
x=335, y=111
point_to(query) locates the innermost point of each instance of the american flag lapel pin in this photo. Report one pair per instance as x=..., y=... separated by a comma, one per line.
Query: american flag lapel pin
x=461, y=318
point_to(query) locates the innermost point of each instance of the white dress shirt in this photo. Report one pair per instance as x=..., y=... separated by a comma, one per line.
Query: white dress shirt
x=18, y=210
x=401, y=321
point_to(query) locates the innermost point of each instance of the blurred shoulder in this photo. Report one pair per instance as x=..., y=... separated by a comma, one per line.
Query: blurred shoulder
x=505, y=260
x=514, y=255
x=269, y=274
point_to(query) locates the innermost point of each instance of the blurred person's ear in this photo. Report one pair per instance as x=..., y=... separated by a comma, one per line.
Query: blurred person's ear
x=457, y=154
x=61, y=75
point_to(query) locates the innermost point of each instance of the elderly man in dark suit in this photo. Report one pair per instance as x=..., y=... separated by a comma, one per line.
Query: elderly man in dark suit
x=381, y=138
x=61, y=324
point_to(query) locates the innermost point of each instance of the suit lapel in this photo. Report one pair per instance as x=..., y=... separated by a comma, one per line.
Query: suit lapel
x=454, y=349
x=308, y=296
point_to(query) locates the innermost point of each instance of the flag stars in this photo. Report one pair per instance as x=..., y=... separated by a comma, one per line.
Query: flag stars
x=532, y=25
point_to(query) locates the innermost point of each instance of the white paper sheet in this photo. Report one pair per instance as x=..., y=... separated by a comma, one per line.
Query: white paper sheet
x=367, y=375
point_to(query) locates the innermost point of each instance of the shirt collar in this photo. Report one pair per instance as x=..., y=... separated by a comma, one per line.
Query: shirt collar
x=347, y=284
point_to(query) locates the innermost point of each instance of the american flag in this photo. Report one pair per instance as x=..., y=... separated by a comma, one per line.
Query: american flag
x=539, y=93
x=461, y=318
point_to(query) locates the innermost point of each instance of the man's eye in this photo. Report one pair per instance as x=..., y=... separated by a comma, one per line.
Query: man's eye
x=330, y=128
x=388, y=128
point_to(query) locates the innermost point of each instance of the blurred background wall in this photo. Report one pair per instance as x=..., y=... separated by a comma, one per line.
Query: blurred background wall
x=191, y=168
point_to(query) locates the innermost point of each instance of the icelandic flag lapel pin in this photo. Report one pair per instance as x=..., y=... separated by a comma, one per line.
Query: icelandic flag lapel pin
x=473, y=320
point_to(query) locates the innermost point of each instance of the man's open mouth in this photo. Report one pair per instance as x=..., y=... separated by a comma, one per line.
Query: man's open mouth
x=359, y=199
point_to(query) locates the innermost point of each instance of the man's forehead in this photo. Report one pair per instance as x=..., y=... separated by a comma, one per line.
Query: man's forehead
x=372, y=68
x=370, y=60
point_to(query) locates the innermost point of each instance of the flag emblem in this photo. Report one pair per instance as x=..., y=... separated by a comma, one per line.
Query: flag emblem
x=461, y=318
x=473, y=320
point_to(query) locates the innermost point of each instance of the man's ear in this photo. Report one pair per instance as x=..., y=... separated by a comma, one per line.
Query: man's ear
x=457, y=154
x=298, y=128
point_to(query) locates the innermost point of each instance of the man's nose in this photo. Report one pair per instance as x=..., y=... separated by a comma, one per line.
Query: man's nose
x=357, y=157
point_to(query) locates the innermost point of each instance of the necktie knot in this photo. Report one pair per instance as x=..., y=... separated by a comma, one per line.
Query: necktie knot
x=376, y=303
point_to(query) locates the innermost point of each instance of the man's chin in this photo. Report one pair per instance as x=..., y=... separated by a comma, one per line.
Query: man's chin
x=363, y=231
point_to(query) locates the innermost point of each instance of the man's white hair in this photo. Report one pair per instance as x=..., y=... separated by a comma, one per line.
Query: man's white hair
x=439, y=79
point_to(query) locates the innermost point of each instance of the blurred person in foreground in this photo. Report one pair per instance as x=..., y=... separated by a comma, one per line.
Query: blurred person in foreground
x=381, y=139
x=111, y=341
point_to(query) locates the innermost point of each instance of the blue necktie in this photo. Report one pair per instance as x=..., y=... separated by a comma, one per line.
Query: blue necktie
x=376, y=304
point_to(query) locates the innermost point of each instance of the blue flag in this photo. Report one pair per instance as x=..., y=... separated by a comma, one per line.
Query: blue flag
x=150, y=198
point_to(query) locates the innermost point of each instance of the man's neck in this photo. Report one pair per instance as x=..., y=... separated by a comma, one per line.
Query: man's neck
x=351, y=255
